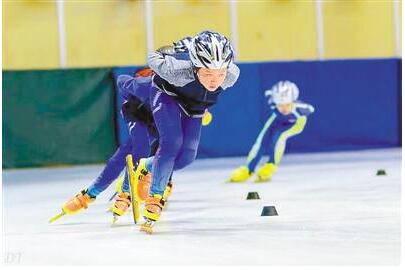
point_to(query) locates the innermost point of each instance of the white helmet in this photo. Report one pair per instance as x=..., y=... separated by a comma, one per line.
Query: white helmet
x=182, y=45
x=211, y=50
x=283, y=92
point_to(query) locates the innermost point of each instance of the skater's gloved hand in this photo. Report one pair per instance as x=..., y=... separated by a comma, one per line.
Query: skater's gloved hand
x=207, y=118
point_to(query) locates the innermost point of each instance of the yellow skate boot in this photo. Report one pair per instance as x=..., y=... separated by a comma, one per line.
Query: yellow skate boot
x=240, y=174
x=144, y=180
x=153, y=208
x=265, y=172
x=143, y=187
x=168, y=191
x=121, y=205
x=77, y=203
x=73, y=206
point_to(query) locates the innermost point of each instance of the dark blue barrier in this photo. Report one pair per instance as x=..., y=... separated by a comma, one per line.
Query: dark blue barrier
x=357, y=106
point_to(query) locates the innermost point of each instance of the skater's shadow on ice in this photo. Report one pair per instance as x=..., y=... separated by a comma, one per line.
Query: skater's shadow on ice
x=74, y=224
x=179, y=201
x=189, y=208
x=186, y=227
x=204, y=231
x=122, y=225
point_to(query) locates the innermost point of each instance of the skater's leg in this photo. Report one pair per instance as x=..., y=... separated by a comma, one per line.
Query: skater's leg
x=139, y=149
x=111, y=170
x=154, y=145
x=191, y=128
x=167, y=116
x=265, y=172
x=153, y=137
x=258, y=148
x=276, y=149
x=271, y=146
x=191, y=138
x=243, y=173
x=138, y=131
x=279, y=140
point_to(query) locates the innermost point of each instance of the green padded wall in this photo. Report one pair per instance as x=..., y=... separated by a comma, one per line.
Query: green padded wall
x=55, y=117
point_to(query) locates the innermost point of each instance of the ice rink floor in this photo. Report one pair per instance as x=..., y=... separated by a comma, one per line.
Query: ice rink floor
x=333, y=210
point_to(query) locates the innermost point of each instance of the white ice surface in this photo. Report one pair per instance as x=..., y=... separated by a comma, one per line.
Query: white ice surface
x=333, y=210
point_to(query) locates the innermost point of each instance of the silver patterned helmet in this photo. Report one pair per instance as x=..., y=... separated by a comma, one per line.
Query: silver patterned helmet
x=211, y=50
x=283, y=92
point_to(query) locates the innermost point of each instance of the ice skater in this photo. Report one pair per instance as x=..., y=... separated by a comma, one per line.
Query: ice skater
x=138, y=117
x=183, y=87
x=288, y=118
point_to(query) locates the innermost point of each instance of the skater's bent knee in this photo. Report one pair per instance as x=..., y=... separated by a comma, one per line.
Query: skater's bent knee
x=171, y=147
x=186, y=158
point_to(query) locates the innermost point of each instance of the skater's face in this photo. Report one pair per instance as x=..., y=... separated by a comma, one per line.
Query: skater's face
x=285, y=108
x=211, y=79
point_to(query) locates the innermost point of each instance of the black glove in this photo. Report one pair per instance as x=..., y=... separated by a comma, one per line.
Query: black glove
x=134, y=110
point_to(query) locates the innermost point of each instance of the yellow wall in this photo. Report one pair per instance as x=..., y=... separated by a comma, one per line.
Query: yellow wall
x=358, y=29
x=30, y=35
x=276, y=30
x=105, y=33
x=113, y=33
x=173, y=20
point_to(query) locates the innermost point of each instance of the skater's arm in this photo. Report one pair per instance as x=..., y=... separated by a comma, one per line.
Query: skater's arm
x=133, y=87
x=127, y=86
x=174, y=71
x=304, y=109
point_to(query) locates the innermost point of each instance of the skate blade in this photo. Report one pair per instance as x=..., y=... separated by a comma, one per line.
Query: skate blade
x=58, y=216
x=259, y=180
x=229, y=181
x=113, y=196
x=114, y=219
x=147, y=227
